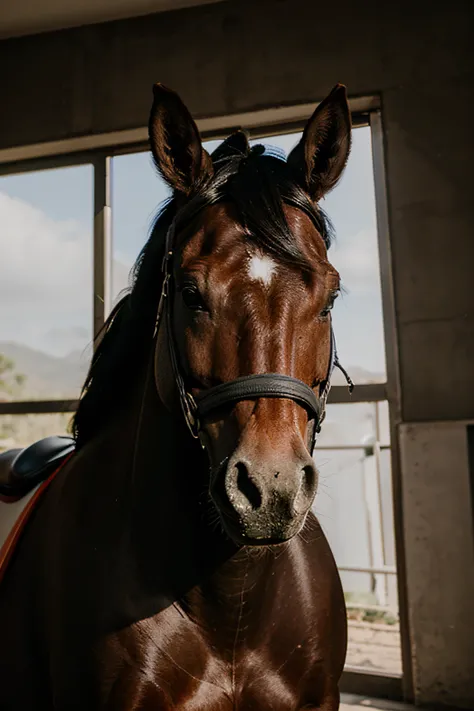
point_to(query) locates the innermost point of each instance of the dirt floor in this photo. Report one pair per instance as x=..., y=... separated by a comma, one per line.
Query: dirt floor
x=374, y=647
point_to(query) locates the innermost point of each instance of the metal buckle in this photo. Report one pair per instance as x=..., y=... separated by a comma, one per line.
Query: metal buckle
x=163, y=295
x=164, y=288
x=166, y=258
x=192, y=420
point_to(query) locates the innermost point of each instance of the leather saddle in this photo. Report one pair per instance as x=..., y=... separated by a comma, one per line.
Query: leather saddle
x=23, y=469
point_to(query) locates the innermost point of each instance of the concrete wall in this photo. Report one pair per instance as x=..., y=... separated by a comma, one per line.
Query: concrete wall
x=239, y=56
x=440, y=560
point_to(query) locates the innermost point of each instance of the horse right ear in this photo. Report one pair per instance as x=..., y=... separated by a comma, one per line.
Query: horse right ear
x=176, y=144
x=319, y=159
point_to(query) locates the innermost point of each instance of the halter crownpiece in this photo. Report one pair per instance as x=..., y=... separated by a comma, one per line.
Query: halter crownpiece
x=247, y=387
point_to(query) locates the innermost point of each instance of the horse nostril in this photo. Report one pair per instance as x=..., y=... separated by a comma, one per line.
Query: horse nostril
x=309, y=477
x=309, y=480
x=246, y=486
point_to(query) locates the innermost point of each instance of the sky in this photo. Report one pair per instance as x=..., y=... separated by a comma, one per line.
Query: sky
x=46, y=226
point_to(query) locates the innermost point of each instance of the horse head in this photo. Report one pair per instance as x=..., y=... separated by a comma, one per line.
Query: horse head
x=248, y=290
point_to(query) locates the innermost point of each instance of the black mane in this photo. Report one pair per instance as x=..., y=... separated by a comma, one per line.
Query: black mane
x=259, y=185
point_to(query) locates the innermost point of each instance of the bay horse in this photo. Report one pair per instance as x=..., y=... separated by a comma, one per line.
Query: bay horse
x=174, y=561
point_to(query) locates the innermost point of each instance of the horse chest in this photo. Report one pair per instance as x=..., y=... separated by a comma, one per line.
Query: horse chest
x=206, y=684
x=179, y=665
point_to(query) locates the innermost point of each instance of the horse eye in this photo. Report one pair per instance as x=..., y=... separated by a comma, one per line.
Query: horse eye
x=192, y=298
x=329, y=305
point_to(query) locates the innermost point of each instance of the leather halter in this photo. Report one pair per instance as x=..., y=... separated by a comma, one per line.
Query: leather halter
x=247, y=387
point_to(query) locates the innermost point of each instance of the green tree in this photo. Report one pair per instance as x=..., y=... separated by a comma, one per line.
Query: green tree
x=11, y=382
x=11, y=385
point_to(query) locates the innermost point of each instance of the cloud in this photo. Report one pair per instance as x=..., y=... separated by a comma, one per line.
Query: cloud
x=42, y=258
x=45, y=278
x=46, y=274
x=356, y=259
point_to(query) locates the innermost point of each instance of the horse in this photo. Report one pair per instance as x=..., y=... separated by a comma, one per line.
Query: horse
x=173, y=562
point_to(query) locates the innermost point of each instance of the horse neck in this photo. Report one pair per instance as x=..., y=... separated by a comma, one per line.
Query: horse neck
x=172, y=541
x=162, y=472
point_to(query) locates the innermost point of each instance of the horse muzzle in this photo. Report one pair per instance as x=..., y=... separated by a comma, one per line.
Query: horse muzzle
x=264, y=502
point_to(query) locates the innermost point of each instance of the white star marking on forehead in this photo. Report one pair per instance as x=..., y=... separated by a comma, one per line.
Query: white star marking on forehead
x=261, y=268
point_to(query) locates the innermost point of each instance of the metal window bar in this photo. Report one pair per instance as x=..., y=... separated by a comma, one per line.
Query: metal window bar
x=102, y=241
x=382, y=570
x=349, y=447
x=339, y=394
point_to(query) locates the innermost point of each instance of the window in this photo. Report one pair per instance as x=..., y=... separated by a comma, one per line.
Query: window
x=46, y=282
x=45, y=292
x=49, y=246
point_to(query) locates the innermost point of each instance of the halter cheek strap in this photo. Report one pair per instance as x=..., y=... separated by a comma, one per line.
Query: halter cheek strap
x=188, y=404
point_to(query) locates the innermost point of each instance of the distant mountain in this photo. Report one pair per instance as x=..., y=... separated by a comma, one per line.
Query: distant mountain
x=50, y=377
x=47, y=376
x=63, y=340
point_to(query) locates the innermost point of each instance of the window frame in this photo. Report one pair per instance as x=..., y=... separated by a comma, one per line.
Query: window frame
x=99, y=150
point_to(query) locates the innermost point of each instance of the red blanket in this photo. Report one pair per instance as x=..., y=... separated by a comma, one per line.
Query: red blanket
x=8, y=548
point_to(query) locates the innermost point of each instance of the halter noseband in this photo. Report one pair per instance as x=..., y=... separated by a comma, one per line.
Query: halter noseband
x=247, y=387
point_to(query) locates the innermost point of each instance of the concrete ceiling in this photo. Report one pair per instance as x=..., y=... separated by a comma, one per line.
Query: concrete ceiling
x=25, y=17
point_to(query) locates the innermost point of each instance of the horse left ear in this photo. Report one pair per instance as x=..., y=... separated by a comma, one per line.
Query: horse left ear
x=318, y=160
x=176, y=144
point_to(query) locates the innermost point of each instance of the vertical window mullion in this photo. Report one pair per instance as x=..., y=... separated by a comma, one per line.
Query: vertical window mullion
x=393, y=387
x=385, y=258
x=102, y=241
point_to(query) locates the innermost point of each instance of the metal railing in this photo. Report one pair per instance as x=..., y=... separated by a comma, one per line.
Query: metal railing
x=375, y=523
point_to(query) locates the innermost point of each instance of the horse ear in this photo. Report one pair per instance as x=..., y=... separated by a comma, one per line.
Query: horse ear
x=176, y=144
x=321, y=155
x=237, y=144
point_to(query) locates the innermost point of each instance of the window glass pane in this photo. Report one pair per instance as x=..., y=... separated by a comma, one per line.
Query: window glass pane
x=354, y=507
x=45, y=282
x=357, y=313
x=138, y=192
x=23, y=430
x=358, y=424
